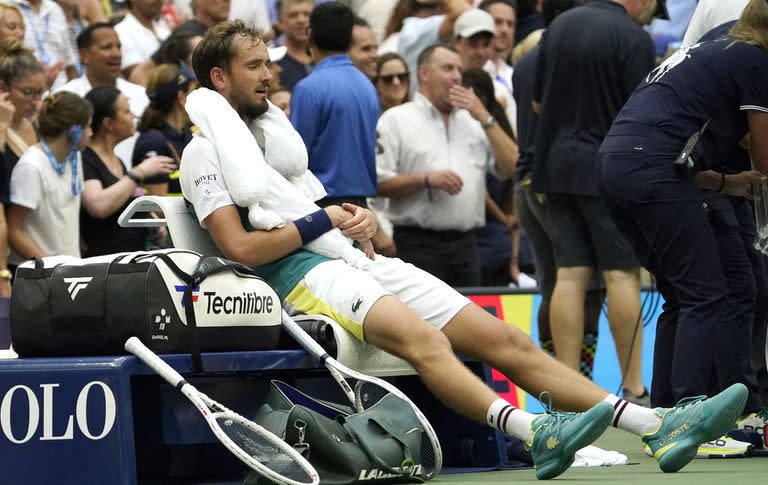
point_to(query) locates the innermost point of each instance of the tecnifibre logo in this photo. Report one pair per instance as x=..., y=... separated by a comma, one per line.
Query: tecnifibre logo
x=77, y=284
x=195, y=293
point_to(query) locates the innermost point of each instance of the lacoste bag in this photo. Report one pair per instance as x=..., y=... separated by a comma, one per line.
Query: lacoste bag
x=171, y=299
x=379, y=445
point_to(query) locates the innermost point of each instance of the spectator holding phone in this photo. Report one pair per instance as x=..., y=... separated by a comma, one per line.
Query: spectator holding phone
x=164, y=126
x=108, y=187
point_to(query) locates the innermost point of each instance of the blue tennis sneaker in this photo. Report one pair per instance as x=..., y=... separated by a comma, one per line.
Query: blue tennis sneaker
x=558, y=436
x=692, y=422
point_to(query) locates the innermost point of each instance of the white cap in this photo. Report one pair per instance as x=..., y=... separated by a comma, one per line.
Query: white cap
x=473, y=22
x=277, y=53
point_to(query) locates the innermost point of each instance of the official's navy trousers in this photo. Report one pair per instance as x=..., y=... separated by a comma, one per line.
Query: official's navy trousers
x=660, y=210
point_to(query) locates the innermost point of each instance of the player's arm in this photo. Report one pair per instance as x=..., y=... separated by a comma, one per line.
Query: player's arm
x=254, y=248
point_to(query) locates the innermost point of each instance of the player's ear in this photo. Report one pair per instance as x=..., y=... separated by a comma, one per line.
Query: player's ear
x=219, y=78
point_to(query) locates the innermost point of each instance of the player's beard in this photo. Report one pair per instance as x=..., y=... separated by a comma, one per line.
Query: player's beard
x=247, y=108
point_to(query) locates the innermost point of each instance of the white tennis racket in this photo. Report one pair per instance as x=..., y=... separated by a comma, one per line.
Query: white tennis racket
x=368, y=391
x=252, y=444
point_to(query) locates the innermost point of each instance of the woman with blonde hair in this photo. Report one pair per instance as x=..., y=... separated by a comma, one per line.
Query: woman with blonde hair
x=22, y=82
x=671, y=153
x=164, y=126
x=43, y=219
x=11, y=22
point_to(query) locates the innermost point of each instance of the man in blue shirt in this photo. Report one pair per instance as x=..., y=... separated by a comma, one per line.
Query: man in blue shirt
x=335, y=110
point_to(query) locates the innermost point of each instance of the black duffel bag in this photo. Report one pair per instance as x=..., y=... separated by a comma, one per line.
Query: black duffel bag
x=171, y=299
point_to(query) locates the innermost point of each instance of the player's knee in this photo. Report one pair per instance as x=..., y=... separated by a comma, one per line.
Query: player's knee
x=427, y=347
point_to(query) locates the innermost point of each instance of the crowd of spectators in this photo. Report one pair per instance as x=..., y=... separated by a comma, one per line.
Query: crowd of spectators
x=427, y=117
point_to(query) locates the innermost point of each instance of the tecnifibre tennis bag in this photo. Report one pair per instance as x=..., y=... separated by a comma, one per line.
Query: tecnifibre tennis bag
x=68, y=306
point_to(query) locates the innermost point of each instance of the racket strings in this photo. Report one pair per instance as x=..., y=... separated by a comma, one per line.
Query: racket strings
x=263, y=450
x=367, y=394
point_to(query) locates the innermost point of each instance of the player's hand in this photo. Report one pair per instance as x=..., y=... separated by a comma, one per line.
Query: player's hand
x=367, y=248
x=740, y=184
x=337, y=215
x=447, y=180
x=363, y=224
x=465, y=98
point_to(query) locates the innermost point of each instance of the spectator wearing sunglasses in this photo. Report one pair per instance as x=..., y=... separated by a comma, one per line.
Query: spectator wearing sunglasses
x=392, y=80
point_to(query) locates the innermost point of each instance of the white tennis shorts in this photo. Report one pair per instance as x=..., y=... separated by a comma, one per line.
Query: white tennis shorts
x=346, y=294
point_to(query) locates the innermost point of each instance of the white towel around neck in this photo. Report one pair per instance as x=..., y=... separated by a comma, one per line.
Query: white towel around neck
x=273, y=194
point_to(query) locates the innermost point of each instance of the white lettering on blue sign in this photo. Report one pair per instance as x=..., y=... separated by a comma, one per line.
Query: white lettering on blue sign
x=92, y=431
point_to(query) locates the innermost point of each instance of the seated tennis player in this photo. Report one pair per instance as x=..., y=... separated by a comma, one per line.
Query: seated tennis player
x=410, y=313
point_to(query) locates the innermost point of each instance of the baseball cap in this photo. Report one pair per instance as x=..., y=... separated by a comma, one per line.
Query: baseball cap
x=277, y=53
x=473, y=22
x=661, y=10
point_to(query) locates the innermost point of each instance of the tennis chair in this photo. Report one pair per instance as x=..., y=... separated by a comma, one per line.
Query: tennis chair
x=186, y=233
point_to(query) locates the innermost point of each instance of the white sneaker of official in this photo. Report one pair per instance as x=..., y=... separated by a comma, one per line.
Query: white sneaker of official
x=723, y=447
x=755, y=421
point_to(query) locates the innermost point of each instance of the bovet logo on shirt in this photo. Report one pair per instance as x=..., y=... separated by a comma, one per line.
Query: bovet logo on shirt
x=205, y=179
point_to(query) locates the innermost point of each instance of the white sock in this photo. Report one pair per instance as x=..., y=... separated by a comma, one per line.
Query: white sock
x=631, y=417
x=511, y=420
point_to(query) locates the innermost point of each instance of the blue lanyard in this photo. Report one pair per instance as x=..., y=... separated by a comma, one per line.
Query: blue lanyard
x=39, y=39
x=60, y=167
x=503, y=81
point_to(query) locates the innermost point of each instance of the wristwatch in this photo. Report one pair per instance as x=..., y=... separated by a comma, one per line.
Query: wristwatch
x=489, y=122
x=6, y=274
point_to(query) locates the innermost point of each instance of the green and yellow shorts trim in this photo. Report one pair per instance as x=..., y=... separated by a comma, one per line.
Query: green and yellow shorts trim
x=346, y=294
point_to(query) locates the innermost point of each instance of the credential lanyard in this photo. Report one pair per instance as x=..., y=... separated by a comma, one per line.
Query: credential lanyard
x=39, y=37
x=60, y=167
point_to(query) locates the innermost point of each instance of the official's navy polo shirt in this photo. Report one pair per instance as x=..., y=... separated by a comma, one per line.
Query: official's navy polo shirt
x=705, y=81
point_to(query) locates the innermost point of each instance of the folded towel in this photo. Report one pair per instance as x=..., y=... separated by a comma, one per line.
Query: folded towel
x=594, y=456
x=271, y=199
x=284, y=150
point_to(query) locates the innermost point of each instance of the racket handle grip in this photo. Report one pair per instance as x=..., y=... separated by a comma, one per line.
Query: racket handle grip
x=137, y=348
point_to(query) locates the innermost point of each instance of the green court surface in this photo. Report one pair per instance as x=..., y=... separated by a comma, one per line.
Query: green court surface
x=643, y=469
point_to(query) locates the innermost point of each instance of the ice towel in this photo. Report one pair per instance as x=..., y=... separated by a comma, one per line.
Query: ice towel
x=273, y=194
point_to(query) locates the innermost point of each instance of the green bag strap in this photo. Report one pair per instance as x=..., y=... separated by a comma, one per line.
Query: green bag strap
x=389, y=428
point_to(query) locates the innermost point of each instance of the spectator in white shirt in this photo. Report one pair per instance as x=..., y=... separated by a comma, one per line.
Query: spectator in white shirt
x=709, y=14
x=101, y=54
x=47, y=35
x=44, y=216
x=141, y=32
x=432, y=158
x=504, y=18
